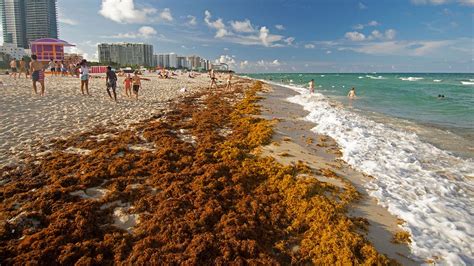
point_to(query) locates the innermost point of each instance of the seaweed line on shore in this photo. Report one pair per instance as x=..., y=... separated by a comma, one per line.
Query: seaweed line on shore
x=187, y=186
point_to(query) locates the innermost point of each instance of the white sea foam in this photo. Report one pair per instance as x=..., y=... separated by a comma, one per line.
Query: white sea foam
x=437, y=80
x=427, y=187
x=374, y=77
x=467, y=83
x=411, y=79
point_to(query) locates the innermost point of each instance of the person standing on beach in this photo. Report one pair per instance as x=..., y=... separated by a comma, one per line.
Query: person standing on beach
x=229, y=81
x=84, y=76
x=37, y=74
x=311, y=86
x=111, y=82
x=352, y=94
x=52, y=66
x=136, y=82
x=212, y=75
x=13, y=68
x=128, y=85
x=22, y=68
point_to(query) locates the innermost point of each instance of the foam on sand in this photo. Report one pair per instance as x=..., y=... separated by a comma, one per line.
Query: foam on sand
x=429, y=188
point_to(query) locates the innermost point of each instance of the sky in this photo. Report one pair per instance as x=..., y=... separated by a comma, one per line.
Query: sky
x=285, y=35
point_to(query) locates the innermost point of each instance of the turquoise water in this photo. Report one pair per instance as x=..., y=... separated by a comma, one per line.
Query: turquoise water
x=387, y=94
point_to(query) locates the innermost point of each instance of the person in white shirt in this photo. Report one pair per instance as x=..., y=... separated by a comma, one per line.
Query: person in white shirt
x=84, y=76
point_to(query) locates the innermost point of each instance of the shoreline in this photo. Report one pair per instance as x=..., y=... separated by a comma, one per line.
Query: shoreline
x=294, y=142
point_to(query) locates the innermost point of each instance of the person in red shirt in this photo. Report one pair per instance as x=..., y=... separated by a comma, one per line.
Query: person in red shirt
x=128, y=85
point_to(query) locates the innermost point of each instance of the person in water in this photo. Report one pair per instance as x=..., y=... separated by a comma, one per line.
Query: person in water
x=111, y=82
x=37, y=74
x=352, y=94
x=311, y=86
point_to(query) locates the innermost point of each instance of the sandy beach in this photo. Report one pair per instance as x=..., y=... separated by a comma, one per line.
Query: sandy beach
x=211, y=178
x=29, y=121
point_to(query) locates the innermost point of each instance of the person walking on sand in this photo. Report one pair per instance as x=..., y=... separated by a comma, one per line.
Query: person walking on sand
x=13, y=68
x=111, y=82
x=311, y=86
x=37, y=74
x=352, y=94
x=128, y=85
x=22, y=68
x=229, y=81
x=212, y=75
x=136, y=82
x=84, y=70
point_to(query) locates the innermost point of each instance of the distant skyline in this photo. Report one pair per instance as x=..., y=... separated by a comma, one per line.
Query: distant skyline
x=285, y=35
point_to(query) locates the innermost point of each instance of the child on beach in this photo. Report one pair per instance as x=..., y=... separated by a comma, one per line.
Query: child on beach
x=128, y=85
x=111, y=82
x=311, y=86
x=37, y=74
x=352, y=94
x=136, y=82
x=84, y=76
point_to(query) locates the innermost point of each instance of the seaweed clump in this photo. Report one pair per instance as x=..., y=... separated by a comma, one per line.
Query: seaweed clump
x=202, y=197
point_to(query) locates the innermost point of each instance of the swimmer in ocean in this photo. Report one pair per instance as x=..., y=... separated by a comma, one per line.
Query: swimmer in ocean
x=352, y=94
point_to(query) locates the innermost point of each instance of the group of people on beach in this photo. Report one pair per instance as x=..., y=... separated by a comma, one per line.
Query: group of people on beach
x=351, y=94
x=213, y=77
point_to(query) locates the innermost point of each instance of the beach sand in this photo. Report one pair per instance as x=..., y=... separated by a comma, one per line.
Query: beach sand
x=29, y=121
x=190, y=183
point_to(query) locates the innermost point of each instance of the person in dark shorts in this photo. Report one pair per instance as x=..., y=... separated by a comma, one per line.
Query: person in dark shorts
x=111, y=82
x=136, y=83
x=13, y=68
x=37, y=74
x=52, y=66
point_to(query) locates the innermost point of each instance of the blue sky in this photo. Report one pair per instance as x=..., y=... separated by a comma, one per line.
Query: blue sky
x=285, y=35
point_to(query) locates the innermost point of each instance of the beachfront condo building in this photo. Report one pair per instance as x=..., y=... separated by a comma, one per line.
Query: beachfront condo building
x=126, y=54
x=24, y=21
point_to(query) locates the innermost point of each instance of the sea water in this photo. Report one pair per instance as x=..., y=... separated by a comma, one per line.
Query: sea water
x=417, y=146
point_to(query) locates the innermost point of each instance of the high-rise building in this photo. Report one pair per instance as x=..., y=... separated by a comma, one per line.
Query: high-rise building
x=24, y=21
x=126, y=53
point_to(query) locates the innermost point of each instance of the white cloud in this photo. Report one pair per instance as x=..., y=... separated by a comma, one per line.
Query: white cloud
x=276, y=62
x=280, y=27
x=289, y=41
x=362, y=6
x=124, y=11
x=309, y=46
x=242, y=32
x=390, y=34
x=267, y=38
x=67, y=21
x=242, y=26
x=355, y=36
x=225, y=59
x=328, y=52
x=405, y=48
x=442, y=2
x=217, y=25
x=166, y=15
x=244, y=64
x=143, y=33
x=191, y=20
x=372, y=23
x=146, y=31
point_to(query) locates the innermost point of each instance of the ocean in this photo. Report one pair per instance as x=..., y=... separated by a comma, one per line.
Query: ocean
x=419, y=147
